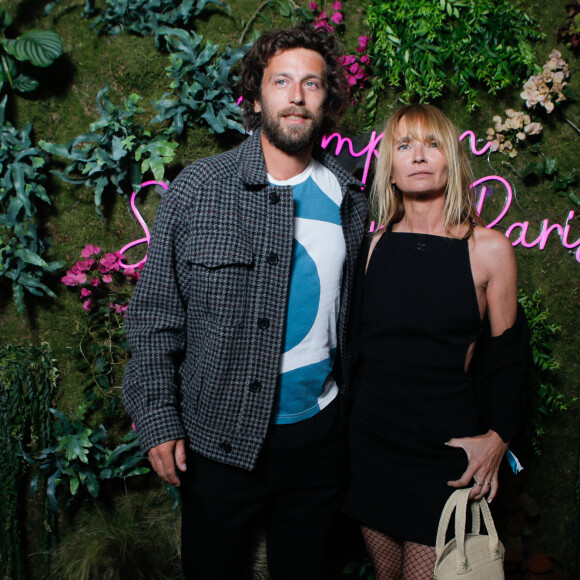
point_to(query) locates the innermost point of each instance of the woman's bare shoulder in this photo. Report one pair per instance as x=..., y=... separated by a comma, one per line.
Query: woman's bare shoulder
x=491, y=244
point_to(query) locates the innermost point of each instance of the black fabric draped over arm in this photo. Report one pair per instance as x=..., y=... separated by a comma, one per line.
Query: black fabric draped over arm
x=499, y=368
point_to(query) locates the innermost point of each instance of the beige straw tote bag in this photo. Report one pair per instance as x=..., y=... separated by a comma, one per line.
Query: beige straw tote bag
x=472, y=556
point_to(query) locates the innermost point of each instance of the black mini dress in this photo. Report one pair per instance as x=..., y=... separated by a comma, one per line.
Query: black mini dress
x=418, y=315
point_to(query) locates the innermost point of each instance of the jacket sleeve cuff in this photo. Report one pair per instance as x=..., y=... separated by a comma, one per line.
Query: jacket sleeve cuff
x=158, y=426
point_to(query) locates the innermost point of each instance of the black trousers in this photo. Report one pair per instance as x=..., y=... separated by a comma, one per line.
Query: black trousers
x=295, y=491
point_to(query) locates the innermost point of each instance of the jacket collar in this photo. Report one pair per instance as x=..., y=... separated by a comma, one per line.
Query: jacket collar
x=251, y=165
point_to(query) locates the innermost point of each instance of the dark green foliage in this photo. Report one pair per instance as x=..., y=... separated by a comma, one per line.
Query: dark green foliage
x=89, y=8
x=548, y=168
x=544, y=397
x=78, y=455
x=80, y=458
x=570, y=32
x=116, y=153
x=295, y=14
x=22, y=177
x=28, y=377
x=39, y=47
x=147, y=16
x=429, y=46
x=134, y=537
x=100, y=349
x=201, y=84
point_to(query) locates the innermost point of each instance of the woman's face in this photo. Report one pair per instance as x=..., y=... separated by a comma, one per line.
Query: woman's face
x=419, y=166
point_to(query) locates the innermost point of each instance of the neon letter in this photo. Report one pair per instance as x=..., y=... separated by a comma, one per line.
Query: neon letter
x=473, y=142
x=147, y=237
x=481, y=199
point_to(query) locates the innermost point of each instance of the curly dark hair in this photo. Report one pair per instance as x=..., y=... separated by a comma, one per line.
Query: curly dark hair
x=275, y=41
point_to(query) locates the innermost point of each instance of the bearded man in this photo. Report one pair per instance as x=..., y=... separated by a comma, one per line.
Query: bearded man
x=237, y=326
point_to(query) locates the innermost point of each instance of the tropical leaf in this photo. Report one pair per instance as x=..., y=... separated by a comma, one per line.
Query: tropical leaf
x=40, y=47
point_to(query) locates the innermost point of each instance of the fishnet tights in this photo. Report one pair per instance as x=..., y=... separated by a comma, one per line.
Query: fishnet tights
x=398, y=560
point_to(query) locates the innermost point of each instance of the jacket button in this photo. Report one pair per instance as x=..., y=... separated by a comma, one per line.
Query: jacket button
x=263, y=323
x=272, y=258
x=274, y=198
x=225, y=447
x=255, y=386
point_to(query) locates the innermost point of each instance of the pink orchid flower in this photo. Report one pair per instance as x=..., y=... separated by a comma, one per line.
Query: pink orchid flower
x=347, y=60
x=70, y=279
x=84, y=265
x=109, y=262
x=132, y=274
x=363, y=41
x=89, y=250
x=322, y=24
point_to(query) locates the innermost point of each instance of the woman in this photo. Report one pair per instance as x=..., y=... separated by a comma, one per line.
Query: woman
x=420, y=425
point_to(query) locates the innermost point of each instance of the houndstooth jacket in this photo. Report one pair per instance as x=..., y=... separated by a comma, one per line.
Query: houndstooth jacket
x=206, y=321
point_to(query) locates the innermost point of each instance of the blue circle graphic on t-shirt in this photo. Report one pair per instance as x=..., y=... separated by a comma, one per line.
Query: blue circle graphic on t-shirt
x=304, y=297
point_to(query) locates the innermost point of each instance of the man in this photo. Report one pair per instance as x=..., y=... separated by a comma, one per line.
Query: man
x=237, y=318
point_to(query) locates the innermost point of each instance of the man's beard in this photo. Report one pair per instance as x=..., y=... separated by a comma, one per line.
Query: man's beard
x=291, y=138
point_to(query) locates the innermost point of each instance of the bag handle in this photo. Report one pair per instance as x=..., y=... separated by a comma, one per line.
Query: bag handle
x=458, y=502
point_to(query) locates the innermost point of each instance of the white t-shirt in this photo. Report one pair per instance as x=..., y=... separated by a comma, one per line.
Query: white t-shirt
x=306, y=384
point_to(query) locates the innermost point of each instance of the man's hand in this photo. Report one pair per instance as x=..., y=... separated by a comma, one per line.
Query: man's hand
x=484, y=453
x=165, y=457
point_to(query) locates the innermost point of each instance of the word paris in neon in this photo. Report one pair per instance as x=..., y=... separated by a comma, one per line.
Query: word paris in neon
x=368, y=152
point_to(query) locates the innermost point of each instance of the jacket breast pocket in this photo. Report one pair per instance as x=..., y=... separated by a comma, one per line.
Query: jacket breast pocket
x=222, y=263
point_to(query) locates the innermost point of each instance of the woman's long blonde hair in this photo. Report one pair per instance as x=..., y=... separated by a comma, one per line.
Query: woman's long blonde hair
x=385, y=197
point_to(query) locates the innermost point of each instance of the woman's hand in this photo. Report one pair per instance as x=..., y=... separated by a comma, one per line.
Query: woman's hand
x=484, y=453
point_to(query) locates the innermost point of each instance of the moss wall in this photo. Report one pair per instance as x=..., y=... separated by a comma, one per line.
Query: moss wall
x=65, y=106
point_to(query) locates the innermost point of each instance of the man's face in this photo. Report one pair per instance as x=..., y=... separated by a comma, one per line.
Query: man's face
x=292, y=98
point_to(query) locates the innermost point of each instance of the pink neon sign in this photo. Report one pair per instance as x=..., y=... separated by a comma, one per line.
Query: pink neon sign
x=369, y=151
x=147, y=237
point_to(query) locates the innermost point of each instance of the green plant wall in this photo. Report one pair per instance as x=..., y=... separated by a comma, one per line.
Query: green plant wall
x=65, y=105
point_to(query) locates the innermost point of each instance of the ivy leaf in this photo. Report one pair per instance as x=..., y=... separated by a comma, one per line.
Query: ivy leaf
x=285, y=9
x=103, y=381
x=100, y=364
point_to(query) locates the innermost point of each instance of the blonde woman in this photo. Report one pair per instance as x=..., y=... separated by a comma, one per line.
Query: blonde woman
x=421, y=423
